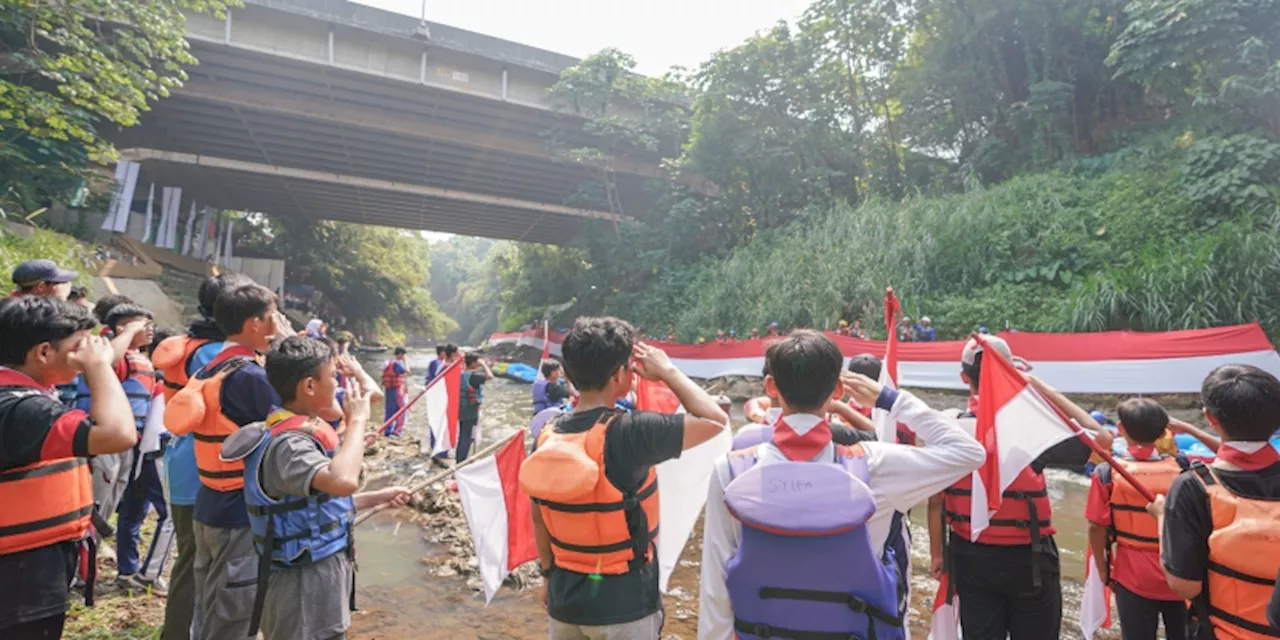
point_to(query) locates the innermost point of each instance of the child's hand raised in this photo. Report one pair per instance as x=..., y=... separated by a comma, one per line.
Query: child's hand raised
x=357, y=404
x=652, y=363
x=864, y=390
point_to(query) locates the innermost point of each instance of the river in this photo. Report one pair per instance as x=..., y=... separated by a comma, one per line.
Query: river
x=407, y=590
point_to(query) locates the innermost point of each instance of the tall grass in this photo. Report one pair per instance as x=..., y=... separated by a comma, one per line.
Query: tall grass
x=1054, y=251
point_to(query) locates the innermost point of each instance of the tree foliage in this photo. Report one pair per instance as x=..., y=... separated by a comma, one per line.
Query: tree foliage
x=375, y=276
x=1059, y=164
x=69, y=67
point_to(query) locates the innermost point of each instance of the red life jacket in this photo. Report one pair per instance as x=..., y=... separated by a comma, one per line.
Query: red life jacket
x=391, y=379
x=1025, y=502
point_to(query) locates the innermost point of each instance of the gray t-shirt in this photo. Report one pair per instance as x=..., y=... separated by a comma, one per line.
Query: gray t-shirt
x=310, y=601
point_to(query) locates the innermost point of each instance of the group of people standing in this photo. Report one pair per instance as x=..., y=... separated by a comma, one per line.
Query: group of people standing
x=233, y=431
x=803, y=534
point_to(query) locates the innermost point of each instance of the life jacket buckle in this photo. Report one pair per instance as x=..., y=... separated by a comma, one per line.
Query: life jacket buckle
x=630, y=503
x=857, y=605
x=762, y=630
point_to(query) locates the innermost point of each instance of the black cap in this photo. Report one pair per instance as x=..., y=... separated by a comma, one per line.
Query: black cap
x=33, y=272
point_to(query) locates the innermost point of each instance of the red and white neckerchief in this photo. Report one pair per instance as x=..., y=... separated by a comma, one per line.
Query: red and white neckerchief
x=797, y=447
x=1249, y=456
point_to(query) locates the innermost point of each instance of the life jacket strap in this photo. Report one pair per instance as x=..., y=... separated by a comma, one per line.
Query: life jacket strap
x=219, y=475
x=605, y=548
x=1238, y=575
x=855, y=604
x=626, y=504
x=1133, y=536
x=212, y=439
x=286, y=507
x=44, y=470
x=264, y=577
x=1233, y=619
x=1128, y=507
x=276, y=542
x=45, y=523
x=769, y=631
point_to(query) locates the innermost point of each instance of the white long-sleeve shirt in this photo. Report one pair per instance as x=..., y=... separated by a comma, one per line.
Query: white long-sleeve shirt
x=899, y=476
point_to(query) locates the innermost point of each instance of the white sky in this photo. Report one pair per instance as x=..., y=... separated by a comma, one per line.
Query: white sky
x=659, y=33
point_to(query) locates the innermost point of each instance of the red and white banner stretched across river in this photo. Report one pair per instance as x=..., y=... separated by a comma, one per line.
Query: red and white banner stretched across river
x=1109, y=362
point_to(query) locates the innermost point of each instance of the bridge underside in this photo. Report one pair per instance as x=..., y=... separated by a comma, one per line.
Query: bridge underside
x=262, y=132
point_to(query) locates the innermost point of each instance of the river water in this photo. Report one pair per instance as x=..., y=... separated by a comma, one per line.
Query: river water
x=402, y=592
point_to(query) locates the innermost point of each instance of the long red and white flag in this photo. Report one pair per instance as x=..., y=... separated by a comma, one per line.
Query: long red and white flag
x=1015, y=424
x=686, y=479
x=1095, y=603
x=945, y=624
x=886, y=428
x=441, y=400
x=498, y=513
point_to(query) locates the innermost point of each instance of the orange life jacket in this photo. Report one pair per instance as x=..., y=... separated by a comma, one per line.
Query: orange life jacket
x=391, y=379
x=1242, y=560
x=172, y=357
x=1131, y=525
x=197, y=410
x=585, y=514
x=1023, y=517
x=46, y=502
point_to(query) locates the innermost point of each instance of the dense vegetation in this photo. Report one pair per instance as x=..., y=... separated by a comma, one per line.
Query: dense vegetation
x=1056, y=165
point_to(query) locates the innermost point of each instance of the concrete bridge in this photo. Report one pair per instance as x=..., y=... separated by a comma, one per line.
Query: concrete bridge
x=337, y=111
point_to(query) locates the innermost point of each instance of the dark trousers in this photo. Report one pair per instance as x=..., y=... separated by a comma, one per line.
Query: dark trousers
x=998, y=599
x=1140, y=617
x=43, y=629
x=180, y=607
x=466, y=429
x=143, y=492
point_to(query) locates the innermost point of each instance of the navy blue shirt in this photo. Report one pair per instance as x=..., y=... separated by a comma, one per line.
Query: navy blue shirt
x=246, y=398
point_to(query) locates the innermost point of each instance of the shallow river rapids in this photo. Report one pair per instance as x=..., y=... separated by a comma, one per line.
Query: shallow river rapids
x=407, y=589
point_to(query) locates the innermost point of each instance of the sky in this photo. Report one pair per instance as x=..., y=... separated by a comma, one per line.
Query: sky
x=659, y=33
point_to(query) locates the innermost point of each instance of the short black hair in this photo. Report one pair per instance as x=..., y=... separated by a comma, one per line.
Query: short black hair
x=866, y=364
x=400, y=351
x=106, y=303
x=549, y=367
x=331, y=343
x=121, y=313
x=450, y=349
x=293, y=360
x=28, y=321
x=594, y=350
x=213, y=286
x=77, y=293
x=440, y=349
x=470, y=358
x=1245, y=400
x=805, y=366
x=344, y=339
x=1143, y=419
x=236, y=306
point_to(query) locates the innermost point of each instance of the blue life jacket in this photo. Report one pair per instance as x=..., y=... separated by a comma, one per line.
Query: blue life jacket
x=801, y=519
x=139, y=388
x=433, y=369
x=293, y=531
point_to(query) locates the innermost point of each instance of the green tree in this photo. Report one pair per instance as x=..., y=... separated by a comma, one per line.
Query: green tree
x=68, y=67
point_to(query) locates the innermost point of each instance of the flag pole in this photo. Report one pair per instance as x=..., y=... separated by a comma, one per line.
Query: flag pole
x=396, y=415
x=425, y=484
x=1078, y=430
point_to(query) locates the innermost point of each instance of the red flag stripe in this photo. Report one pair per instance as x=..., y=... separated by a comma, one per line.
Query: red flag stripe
x=998, y=384
x=521, y=547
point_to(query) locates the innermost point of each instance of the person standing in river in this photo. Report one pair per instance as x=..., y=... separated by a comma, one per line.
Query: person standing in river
x=471, y=395
x=1009, y=579
x=396, y=387
x=596, y=532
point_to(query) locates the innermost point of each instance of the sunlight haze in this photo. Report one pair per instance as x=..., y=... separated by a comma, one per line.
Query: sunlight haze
x=659, y=33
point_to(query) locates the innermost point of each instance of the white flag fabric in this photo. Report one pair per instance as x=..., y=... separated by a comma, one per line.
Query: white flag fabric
x=1095, y=603
x=1015, y=424
x=441, y=401
x=498, y=513
x=946, y=614
x=150, y=442
x=685, y=479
